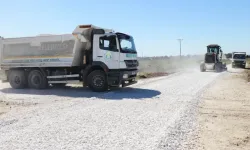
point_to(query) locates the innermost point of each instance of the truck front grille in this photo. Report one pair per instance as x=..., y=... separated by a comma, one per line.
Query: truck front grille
x=131, y=63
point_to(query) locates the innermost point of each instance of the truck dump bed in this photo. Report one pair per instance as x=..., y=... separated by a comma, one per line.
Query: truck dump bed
x=52, y=50
x=47, y=50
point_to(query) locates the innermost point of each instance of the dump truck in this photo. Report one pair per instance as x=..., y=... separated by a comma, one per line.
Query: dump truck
x=239, y=59
x=99, y=58
x=213, y=59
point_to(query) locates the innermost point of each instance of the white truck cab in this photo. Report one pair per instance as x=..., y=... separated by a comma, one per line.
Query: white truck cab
x=238, y=59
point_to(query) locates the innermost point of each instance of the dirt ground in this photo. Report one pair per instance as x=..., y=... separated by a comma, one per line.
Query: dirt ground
x=224, y=115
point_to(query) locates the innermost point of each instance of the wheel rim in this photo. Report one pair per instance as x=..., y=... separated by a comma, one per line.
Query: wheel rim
x=98, y=81
x=17, y=80
x=36, y=80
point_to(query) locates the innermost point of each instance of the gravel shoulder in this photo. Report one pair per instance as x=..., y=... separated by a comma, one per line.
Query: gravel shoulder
x=224, y=114
x=4, y=108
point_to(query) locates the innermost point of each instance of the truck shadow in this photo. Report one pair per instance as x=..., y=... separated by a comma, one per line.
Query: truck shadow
x=77, y=92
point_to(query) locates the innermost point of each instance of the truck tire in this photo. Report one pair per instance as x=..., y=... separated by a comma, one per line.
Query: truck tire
x=17, y=79
x=37, y=80
x=97, y=81
x=202, y=68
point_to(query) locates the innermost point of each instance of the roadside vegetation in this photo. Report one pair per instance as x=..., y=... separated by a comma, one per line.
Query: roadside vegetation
x=151, y=75
x=247, y=71
x=161, y=66
x=248, y=63
x=247, y=75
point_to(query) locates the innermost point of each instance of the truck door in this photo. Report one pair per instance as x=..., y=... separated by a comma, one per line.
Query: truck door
x=105, y=49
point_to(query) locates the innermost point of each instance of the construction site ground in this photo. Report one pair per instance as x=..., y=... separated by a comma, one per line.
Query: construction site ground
x=185, y=110
x=224, y=113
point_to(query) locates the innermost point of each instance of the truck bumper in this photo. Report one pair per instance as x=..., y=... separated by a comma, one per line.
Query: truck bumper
x=241, y=64
x=124, y=78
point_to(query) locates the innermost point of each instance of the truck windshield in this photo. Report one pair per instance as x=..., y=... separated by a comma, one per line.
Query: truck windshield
x=127, y=44
x=239, y=56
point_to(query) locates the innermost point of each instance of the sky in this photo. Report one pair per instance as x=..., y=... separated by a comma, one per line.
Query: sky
x=155, y=25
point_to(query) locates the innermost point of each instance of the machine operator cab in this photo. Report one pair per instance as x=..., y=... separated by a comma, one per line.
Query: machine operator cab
x=215, y=51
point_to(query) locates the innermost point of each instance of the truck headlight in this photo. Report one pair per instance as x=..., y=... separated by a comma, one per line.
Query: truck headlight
x=125, y=76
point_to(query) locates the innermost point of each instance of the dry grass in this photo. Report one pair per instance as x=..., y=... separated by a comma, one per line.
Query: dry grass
x=247, y=71
x=248, y=63
x=151, y=75
x=247, y=75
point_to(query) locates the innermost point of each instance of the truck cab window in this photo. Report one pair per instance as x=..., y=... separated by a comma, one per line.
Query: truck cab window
x=108, y=43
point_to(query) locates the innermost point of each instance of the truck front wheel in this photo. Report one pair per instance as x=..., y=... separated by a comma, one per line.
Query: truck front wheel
x=37, y=80
x=97, y=81
x=17, y=79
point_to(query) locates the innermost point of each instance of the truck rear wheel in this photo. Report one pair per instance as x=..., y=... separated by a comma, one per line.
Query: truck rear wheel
x=37, y=80
x=17, y=79
x=97, y=81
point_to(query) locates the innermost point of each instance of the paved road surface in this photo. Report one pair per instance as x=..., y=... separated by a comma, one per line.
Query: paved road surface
x=156, y=113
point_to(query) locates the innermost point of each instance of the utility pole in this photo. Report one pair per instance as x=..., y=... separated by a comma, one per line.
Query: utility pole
x=180, y=40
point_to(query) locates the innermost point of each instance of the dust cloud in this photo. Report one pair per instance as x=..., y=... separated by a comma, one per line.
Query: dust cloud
x=170, y=64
